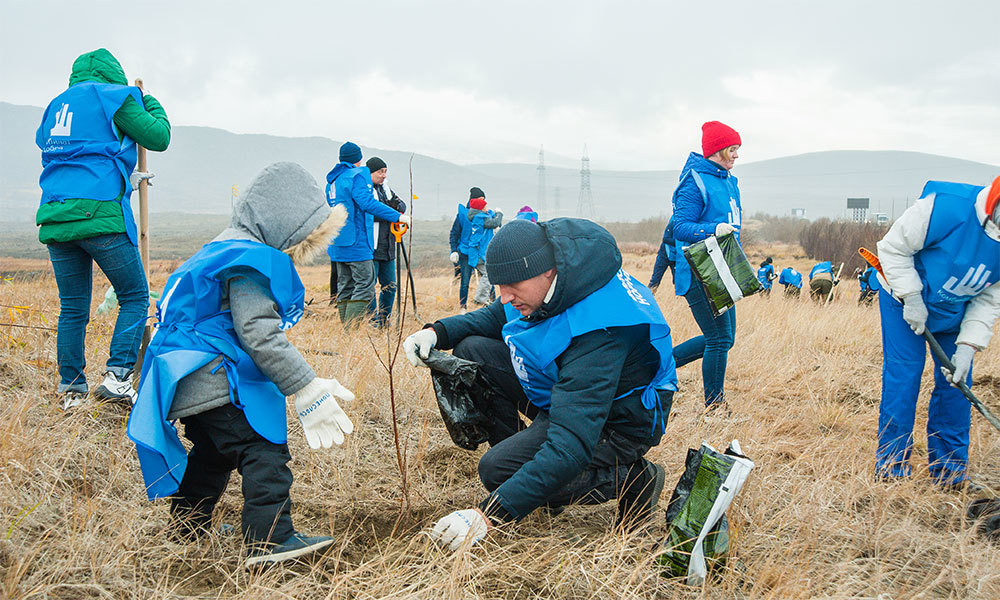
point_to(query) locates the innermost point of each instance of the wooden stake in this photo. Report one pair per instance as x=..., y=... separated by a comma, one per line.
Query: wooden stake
x=143, y=235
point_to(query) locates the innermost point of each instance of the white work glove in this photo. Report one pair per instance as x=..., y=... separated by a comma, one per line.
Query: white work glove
x=915, y=313
x=323, y=421
x=419, y=345
x=404, y=219
x=469, y=524
x=962, y=359
x=454, y=258
x=723, y=228
x=138, y=176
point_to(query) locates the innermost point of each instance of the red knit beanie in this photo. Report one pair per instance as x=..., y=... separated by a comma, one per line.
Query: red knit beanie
x=715, y=136
x=477, y=203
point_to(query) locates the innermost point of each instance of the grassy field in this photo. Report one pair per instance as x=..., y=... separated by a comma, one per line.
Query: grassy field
x=810, y=523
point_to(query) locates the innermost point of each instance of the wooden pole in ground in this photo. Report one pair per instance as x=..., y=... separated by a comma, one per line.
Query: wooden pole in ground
x=143, y=236
x=829, y=298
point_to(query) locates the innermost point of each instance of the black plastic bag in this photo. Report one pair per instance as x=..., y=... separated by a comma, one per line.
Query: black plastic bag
x=462, y=397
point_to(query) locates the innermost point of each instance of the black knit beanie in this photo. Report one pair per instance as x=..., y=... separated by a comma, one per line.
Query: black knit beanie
x=476, y=193
x=517, y=252
x=375, y=164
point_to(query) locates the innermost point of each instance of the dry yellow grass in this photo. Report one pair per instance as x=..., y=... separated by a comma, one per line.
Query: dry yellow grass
x=810, y=523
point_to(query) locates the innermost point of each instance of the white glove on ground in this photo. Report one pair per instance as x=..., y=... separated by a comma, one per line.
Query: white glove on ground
x=454, y=258
x=404, y=219
x=723, y=228
x=469, y=524
x=419, y=345
x=323, y=421
x=915, y=313
x=962, y=359
x=138, y=176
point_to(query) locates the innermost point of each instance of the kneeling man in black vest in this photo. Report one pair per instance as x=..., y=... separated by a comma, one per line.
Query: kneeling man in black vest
x=579, y=347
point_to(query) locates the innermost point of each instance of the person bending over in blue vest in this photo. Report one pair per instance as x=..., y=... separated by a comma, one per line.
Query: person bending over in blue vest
x=707, y=203
x=349, y=184
x=941, y=262
x=470, y=234
x=868, y=282
x=581, y=348
x=220, y=362
x=88, y=138
x=821, y=281
x=666, y=257
x=792, y=280
x=765, y=275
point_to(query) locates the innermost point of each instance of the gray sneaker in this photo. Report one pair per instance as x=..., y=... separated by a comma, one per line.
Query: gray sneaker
x=295, y=546
x=73, y=399
x=114, y=388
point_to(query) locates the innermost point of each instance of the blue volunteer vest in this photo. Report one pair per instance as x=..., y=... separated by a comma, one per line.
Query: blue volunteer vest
x=764, y=276
x=958, y=260
x=790, y=276
x=527, y=216
x=463, y=238
x=192, y=331
x=82, y=156
x=869, y=280
x=621, y=302
x=479, y=238
x=721, y=196
x=821, y=267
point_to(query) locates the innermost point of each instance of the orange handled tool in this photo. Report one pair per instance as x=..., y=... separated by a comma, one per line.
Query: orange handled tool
x=398, y=230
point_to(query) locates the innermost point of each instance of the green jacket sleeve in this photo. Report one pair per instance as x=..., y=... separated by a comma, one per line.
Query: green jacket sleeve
x=147, y=125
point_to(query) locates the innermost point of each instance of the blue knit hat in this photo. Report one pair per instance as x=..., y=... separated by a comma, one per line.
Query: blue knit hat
x=517, y=252
x=350, y=152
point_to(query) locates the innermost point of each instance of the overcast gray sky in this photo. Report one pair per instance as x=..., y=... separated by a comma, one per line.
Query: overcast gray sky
x=491, y=81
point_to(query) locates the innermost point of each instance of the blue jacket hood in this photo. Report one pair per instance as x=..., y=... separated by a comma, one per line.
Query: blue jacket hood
x=699, y=163
x=338, y=171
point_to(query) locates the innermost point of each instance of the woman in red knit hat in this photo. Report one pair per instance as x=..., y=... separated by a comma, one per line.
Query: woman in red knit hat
x=707, y=203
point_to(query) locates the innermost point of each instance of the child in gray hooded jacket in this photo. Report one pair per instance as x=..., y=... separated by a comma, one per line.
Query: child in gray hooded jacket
x=221, y=363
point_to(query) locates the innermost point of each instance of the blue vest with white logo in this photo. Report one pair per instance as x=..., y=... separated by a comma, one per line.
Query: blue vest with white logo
x=192, y=331
x=721, y=196
x=869, y=280
x=479, y=237
x=82, y=156
x=764, y=276
x=790, y=276
x=621, y=302
x=958, y=260
x=821, y=267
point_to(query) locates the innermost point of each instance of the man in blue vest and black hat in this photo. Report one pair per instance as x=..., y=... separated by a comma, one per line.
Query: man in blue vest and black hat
x=578, y=346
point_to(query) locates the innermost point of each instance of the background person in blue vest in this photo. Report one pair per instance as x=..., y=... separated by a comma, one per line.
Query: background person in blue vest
x=942, y=259
x=666, y=257
x=765, y=275
x=88, y=138
x=598, y=397
x=868, y=282
x=350, y=184
x=527, y=213
x=384, y=255
x=220, y=362
x=821, y=281
x=470, y=234
x=792, y=280
x=707, y=203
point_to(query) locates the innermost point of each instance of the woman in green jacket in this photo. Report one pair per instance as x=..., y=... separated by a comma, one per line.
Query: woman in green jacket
x=88, y=138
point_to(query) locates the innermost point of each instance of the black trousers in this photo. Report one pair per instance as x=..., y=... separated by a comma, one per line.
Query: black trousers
x=224, y=440
x=512, y=444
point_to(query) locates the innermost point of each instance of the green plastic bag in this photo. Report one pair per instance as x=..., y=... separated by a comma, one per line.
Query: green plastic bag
x=722, y=270
x=697, y=527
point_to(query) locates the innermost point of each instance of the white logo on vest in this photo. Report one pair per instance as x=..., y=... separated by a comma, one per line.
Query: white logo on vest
x=516, y=361
x=630, y=287
x=975, y=281
x=735, y=215
x=64, y=122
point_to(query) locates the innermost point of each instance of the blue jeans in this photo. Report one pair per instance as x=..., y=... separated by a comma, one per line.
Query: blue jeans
x=385, y=274
x=72, y=263
x=903, y=357
x=718, y=336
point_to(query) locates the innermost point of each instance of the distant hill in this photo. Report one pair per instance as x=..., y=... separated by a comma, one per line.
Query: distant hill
x=197, y=173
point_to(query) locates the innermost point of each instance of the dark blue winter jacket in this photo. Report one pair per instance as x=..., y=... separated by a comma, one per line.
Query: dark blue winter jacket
x=595, y=368
x=666, y=256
